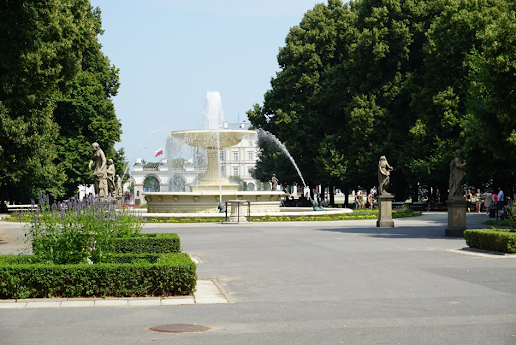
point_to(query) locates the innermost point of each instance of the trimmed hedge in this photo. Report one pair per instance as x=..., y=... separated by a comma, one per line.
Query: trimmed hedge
x=497, y=240
x=142, y=243
x=148, y=243
x=24, y=276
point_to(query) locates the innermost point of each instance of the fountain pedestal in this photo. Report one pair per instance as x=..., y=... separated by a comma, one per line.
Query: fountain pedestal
x=212, y=181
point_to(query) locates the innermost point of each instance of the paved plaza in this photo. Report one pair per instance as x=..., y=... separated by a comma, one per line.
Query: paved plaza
x=338, y=282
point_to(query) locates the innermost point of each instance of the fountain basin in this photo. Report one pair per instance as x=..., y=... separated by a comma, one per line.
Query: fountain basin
x=207, y=201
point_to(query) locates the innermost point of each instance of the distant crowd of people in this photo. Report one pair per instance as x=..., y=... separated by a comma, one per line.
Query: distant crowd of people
x=362, y=201
x=491, y=200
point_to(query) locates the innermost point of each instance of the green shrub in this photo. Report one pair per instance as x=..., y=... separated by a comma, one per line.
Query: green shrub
x=78, y=231
x=148, y=243
x=136, y=257
x=169, y=274
x=505, y=222
x=497, y=240
x=43, y=246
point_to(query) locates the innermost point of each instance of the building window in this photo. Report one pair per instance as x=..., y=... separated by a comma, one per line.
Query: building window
x=235, y=156
x=235, y=171
x=250, y=156
x=221, y=155
x=251, y=143
x=250, y=171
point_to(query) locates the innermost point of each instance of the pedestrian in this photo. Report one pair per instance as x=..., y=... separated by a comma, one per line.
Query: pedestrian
x=501, y=198
x=488, y=200
x=370, y=199
x=478, y=203
x=469, y=198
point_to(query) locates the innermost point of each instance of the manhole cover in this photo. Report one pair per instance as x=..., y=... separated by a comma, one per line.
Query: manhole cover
x=178, y=328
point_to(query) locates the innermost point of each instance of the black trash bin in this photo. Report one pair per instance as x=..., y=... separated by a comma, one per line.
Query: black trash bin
x=492, y=212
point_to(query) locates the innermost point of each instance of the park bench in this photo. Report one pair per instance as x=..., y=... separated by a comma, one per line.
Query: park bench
x=418, y=206
x=397, y=204
x=18, y=208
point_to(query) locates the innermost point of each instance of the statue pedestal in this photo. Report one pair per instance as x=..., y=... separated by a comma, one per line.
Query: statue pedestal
x=456, y=217
x=385, y=211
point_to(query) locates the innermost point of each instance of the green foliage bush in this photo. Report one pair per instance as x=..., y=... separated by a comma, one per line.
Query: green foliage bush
x=91, y=248
x=146, y=275
x=78, y=231
x=497, y=240
x=42, y=246
x=148, y=243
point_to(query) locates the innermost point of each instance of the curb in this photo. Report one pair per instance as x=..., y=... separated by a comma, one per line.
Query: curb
x=209, y=291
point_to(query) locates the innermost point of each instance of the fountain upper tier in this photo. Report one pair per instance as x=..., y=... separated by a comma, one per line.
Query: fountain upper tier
x=212, y=138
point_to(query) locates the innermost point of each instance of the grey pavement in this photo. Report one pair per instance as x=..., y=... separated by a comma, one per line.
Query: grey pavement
x=338, y=282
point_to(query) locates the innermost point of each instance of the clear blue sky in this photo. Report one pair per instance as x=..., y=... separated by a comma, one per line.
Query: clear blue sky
x=170, y=52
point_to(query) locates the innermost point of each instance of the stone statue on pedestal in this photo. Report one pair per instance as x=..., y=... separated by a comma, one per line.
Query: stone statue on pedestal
x=100, y=172
x=456, y=174
x=118, y=191
x=384, y=172
x=111, y=171
x=275, y=182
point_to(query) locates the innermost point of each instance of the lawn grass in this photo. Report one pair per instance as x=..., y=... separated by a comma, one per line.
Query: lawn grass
x=356, y=215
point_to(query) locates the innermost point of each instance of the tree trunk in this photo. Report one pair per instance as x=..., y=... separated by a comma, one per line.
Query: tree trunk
x=346, y=193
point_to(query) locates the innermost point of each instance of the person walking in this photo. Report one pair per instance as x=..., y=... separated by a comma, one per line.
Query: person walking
x=488, y=197
x=469, y=198
x=501, y=199
x=478, y=204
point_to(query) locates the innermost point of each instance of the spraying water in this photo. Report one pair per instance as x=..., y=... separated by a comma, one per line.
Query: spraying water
x=213, y=113
x=213, y=119
x=272, y=139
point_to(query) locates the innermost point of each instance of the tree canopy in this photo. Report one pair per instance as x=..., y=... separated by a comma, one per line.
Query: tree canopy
x=55, y=89
x=405, y=79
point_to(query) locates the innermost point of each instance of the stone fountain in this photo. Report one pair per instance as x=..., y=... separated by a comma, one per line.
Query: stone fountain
x=212, y=141
x=212, y=188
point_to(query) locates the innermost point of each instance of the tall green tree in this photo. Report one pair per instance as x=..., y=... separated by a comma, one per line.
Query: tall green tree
x=388, y=77
x=55, y=97
x=291, y=108
x=366, y=92
x=41, y=45
x=87, y=115
x=490, y=125
x=441, y=84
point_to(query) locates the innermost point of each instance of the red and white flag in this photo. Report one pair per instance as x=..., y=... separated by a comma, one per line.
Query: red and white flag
x=159, y=152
